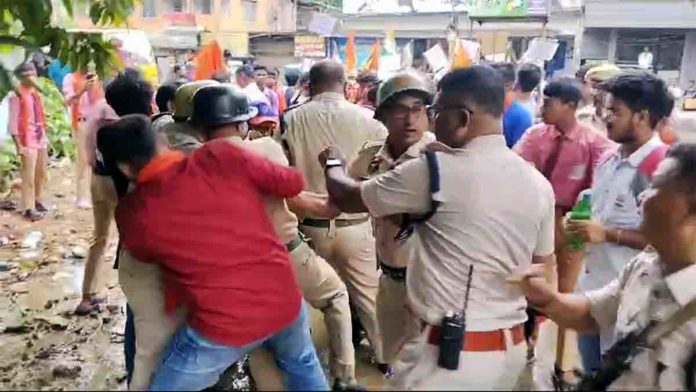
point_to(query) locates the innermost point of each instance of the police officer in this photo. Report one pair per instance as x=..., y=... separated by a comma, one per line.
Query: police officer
x=213, y=108
x=346, y=242
x=401, y=106
x=489, y=210
x=181, y=134
x=653, y=287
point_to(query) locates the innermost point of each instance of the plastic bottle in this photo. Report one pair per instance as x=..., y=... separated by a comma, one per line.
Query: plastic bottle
x=581, y=211
x=32, y=240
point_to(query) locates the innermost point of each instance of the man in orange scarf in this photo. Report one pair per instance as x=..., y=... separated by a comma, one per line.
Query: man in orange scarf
x=82, y=91
x=28, y=128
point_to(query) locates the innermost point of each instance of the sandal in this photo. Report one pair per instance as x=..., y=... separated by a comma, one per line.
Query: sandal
x=33, y=215
x=8, y=205
x=40, y=207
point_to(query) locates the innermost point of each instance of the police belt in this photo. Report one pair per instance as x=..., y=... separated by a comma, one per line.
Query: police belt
x=395, y=273
x=294, y=243
x=337, y=222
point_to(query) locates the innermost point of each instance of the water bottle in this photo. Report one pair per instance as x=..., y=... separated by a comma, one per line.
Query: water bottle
x=581, y=211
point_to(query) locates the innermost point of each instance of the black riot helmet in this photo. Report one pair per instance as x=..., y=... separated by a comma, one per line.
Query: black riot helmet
x=218, y=105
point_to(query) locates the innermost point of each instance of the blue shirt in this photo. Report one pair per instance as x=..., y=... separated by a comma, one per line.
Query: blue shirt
x=516, y=121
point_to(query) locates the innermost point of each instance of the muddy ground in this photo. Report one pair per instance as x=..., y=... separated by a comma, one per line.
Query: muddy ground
x=44, y=346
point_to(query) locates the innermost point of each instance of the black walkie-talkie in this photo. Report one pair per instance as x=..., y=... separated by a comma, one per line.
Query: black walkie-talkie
x=452, y=333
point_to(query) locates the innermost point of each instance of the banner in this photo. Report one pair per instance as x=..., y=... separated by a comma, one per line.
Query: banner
x=507, y=8
x=310, y=46
x=475, y=8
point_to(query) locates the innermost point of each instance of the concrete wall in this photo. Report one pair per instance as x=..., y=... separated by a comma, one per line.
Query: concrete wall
x=666, y=14
x=595, y=44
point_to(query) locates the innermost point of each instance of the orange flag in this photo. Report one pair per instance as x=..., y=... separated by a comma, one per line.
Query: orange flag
x=372, y=63
x=209, y=61
x=461, y=58
x=351, y=56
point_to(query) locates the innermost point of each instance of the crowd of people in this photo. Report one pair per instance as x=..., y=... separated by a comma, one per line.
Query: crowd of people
x=429, y=214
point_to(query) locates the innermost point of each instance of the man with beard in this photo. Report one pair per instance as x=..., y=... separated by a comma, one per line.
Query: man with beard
x=653, y=287
x=636, y=103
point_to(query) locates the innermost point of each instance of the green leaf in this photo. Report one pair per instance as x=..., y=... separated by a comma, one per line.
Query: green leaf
x=68, y=7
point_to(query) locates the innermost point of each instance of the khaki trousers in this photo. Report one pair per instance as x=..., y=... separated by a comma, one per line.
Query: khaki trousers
x=351, y=251
x=143, y=286
x=33, y=174
x=416, y=367
x=324, y=290
x=82, y=170
x=396, y=323
x=104, y=199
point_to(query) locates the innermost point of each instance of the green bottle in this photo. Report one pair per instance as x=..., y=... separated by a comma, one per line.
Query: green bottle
x=581, y=211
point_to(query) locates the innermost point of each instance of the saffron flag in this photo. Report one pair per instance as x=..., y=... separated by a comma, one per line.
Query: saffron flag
x=351, y=55
x=461, y=58
x=372, y=63
x=209, y=61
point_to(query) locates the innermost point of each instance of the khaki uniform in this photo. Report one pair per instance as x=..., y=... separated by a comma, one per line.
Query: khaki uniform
x=496, y=213
x=588, y=115
x=104, y=201
x=395, y=322
x=640, y=294
x=347, y=242
x=320, y=284
x=144, y=288
x=182, y=136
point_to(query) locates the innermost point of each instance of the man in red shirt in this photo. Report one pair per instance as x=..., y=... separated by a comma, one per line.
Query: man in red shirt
x=202, y=218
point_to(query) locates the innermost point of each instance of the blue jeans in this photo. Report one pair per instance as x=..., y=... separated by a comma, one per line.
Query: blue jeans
x=192, y=362
x=129, y=344
x=590, y=352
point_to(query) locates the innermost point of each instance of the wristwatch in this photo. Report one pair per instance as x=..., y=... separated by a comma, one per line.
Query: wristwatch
x=333, y=162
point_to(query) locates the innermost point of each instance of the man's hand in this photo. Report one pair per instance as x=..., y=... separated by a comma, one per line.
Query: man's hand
x=591, y=232
x=21, y=150
x=331, y=152
x=313, y=204
x=538, y=291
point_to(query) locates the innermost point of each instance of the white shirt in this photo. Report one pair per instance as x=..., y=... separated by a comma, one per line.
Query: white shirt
x=645, y=60
x=497, y=212
x=615, y=206
x=643, y=292
x=254, y=94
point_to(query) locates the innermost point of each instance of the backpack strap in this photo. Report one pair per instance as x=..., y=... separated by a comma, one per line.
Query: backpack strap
x=409, y=221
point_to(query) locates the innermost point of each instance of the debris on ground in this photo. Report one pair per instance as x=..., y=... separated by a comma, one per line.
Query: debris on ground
x=65, y=371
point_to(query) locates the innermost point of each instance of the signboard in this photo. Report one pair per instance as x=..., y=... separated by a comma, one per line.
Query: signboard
x=507, y=8
x=475, y=8
x=310, y=46
x=322, y=24
x=180, y=19
x=397, y=6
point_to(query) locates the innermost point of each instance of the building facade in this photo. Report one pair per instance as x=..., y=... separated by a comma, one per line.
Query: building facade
x=620, y=30
x=184, y=24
